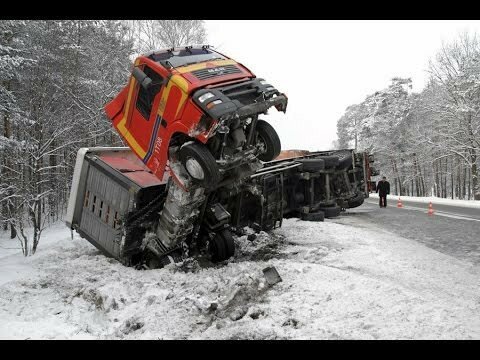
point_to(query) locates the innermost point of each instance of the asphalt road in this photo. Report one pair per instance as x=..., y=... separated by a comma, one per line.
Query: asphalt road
x=452, y=230
x=439, y=209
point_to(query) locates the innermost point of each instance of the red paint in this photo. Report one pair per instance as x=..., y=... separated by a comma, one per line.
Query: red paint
x=136, y=171
x=123, y=165
x=114, y=108
x=143, y=178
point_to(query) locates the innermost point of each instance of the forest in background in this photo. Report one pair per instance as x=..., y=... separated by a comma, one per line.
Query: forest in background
x=425, y=143
x=55, y=78
x=57, y=75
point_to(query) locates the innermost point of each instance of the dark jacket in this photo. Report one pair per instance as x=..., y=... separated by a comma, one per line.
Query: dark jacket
x=383, y=187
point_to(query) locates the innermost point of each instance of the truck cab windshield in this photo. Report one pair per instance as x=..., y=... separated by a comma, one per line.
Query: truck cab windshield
x=185, y=57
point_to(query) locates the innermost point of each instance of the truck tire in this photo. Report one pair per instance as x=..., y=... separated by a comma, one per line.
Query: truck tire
x=269, y=137
x=222, y=246
x=312, y=164
x=330, y=161
x=313, y=216
x=229, y=242
x=356, y=201
x=151, y=261
x=331, y=212
x=200, y=164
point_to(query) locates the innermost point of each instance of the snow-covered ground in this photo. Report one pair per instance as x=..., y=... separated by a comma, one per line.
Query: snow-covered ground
x=339, y=282
x=435, y=200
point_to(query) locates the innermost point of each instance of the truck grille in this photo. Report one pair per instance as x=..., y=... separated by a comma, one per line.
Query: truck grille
x=208, y=73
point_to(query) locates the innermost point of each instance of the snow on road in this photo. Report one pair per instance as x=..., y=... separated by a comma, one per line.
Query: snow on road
x=475, y=204
x=339, y=282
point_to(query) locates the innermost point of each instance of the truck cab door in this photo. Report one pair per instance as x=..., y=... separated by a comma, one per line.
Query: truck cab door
x=142, y=118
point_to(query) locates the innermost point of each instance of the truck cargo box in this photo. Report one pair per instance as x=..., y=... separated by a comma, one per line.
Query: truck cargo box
x=108, y=185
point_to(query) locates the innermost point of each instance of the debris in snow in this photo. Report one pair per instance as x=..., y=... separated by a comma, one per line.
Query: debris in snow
x=213, y=306
x=132, y=324
x=266, y=246
x=291, y=322
x=238, y=313
x=220, y=324
x=272, y=275
x=255, y=313
x=94, y=297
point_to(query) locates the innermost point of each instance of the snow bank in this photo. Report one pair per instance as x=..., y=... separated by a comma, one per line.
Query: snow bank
x=339, y=282
x=435, y=200
x=13, y=267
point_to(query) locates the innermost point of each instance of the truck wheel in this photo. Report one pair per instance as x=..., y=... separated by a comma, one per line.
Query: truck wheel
x=331, y=212
x=314, y=216
x=312, y=164
x=228, y=241
x=152, y=261
x=269, y=138
x=356, y=201
x=222, y=246
x=200, y=164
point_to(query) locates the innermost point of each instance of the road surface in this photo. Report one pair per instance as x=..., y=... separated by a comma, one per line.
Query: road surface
x=469, y=213
x=452, y=230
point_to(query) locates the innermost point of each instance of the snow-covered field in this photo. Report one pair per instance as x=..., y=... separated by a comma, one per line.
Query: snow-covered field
x=339, y=282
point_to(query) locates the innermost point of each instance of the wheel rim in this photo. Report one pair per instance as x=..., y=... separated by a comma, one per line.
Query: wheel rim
x=194, y=169
x=263, y=144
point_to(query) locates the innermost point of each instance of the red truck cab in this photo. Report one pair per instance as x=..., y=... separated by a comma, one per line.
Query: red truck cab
x=190, y=95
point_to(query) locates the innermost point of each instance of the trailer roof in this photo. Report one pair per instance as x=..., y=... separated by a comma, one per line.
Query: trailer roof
x=136, y=172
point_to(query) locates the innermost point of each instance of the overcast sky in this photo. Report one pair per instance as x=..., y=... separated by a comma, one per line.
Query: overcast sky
x=325, y=66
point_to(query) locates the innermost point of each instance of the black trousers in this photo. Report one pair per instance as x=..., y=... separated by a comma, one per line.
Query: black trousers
x=382, y=200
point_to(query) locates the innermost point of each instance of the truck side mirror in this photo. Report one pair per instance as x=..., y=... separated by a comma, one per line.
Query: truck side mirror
x=142, y=78
x=371, y=158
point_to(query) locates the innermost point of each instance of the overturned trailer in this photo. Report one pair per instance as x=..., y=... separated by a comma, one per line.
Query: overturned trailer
x=310, y=187
x=118, y=204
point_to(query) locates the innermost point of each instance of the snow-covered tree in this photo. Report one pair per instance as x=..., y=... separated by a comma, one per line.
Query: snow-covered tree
x=430, y=140
x=13, y=59
x=156, y=34
x=77, y=66
x=457, y=69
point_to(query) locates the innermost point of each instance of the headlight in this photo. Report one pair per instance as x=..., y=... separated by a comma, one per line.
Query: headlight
x=263, y=82
x=205, y=97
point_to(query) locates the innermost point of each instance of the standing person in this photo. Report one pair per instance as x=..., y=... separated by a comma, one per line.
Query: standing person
x=383, y=188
